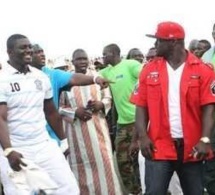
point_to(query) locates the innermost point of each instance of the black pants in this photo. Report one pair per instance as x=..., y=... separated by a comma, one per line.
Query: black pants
x=209, y=176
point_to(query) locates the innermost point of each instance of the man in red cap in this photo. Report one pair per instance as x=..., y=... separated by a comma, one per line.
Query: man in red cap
x=176, y=94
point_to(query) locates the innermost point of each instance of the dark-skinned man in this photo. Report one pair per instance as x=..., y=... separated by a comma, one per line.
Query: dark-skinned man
x=62, y=79
x=25, y=106
x=124, y=73
x=176, y=94
x=90, y=154
x=209, y=57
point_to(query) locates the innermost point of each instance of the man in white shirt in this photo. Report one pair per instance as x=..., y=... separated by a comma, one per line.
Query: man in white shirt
x=25, y=105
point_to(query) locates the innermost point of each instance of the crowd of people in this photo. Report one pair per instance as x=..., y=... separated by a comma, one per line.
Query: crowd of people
x=140, y=124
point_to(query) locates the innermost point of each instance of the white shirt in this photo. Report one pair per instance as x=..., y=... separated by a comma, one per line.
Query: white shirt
x=24, y=95
x=174, y=101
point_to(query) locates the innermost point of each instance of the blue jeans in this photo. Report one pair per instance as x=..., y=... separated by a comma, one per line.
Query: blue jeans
x=158, y=174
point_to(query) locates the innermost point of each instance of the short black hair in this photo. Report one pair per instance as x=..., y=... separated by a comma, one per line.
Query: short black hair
x=36, y=47
x=206, y=42
x=76, y=51
x=12, y=40
x=130, y=52
x=193, y=44
x=114, y=48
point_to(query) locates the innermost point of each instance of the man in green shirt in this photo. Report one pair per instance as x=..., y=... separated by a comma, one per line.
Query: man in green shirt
x=209, y=56
x=124, y=74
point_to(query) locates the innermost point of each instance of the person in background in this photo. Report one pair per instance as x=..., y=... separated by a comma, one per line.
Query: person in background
x=151, y=54
x=61, y=64
x=25, y=105
x=175, y=113
x=193, y=45
x=111, y=116
x=98, y=63
x=124, y=73
x=135, y=54
x=209, y=57
x=61, y=79
x=90, y=155
x=202, y=47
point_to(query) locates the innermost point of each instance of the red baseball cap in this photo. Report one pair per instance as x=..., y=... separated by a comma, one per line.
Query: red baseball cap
x=168, y=31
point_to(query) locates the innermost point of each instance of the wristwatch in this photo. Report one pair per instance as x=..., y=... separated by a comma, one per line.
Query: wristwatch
x=7, y=151
x=205, y=140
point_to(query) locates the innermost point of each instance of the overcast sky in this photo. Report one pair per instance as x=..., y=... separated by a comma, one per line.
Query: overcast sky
x=60, y=26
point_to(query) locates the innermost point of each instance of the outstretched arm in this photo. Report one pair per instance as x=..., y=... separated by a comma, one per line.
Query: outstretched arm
x=79, y=79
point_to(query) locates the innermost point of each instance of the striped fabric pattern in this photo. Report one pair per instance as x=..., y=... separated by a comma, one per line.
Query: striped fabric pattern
x=91, y=156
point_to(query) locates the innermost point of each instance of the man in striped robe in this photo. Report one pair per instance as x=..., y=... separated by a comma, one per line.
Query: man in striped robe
x=84, y=109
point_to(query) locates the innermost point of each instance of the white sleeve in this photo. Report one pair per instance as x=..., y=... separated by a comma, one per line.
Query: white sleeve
x=48, y=88
x=3, y=91
x=106, y=99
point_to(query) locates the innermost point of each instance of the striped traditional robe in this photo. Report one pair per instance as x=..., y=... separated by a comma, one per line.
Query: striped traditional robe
x=90, y=158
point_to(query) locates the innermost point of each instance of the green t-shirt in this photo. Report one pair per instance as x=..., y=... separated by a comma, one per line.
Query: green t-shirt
x=125, y=75
x=213, y=60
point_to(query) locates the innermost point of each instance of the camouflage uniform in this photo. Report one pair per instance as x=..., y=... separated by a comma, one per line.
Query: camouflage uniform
x=129, y=169
x=111, y=119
